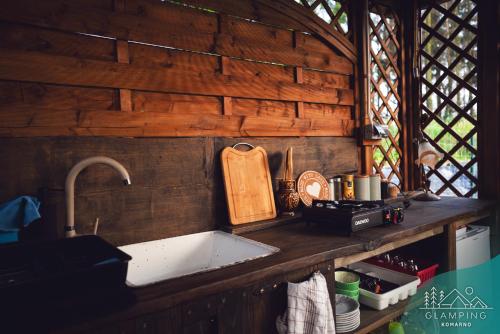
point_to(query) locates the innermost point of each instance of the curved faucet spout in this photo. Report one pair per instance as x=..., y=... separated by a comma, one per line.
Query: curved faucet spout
x=69, y=228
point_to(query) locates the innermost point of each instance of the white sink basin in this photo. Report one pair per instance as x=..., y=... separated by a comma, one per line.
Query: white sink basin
x=159, y=260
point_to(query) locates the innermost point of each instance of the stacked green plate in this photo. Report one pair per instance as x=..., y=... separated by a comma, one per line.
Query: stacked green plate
x=347, y=284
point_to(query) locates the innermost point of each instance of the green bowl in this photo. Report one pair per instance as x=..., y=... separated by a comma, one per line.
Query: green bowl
x=348, y=293
x=346, y=280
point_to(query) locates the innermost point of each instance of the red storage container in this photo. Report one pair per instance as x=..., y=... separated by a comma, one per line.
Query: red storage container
x=425, y=274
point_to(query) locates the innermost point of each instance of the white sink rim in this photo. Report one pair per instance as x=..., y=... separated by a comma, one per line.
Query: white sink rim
x=137, y=280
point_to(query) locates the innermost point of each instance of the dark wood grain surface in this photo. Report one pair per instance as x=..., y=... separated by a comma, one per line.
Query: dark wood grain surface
x=177, y=185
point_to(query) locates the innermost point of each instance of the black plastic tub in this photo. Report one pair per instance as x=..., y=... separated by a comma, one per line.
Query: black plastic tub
x=60, y=267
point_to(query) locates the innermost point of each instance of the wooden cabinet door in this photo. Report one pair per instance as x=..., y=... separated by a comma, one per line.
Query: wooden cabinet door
x=166, y=322
x=269, y=299
x=200, y=316
x=224, y=313
x=232, y=312
x=247, y=310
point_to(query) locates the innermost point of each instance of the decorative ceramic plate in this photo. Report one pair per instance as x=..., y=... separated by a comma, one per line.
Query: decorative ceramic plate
x=352, y=316
x=345, y=305
x=347, y=316
x=312, y=185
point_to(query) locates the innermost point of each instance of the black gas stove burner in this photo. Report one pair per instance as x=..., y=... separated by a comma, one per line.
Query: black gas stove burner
x=345, y=217
x=348, y=205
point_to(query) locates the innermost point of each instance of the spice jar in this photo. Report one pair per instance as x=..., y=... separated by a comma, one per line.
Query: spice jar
x=348, y=186
x=335, y=185
x=362, y=186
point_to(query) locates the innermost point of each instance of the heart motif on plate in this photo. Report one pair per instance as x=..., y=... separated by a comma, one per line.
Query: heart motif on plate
x=312, y=185
x=314, y=189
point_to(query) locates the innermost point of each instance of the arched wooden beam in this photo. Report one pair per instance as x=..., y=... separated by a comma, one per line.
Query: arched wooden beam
x=314, y=24
x=284, y=13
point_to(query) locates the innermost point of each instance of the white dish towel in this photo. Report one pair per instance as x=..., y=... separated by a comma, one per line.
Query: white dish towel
x=309, y=309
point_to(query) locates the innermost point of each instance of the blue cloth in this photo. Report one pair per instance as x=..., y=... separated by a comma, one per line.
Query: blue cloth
x=17, y=214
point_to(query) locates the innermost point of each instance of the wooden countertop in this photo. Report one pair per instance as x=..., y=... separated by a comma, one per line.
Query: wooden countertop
x=300, y=246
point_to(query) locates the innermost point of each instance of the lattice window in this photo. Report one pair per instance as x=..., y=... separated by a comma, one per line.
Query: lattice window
x=333, y=12
x=385, y=97
x=449, y=93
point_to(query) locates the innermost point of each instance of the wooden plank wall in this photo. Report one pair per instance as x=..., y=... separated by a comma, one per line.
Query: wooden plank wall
x=102, y=77
x=171, y=70
x=177, y=185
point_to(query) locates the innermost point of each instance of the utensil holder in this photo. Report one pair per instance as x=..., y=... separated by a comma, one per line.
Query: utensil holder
x=288, y=197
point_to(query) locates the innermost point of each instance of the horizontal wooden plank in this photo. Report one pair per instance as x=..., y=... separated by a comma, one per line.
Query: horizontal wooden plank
x=29, y=38
x=39, y=67
x=273, y=11
x=174, y=14
x=64, y=15
x=266, y=126
x=315, y=24
x=248, y=9
x=254, y=49
x=10, y=92
x=318, y=110
x=146, y=55
x=63, y=131
x=256, y=70
x=326, y=79
x=310, y=42
x=33, y=121
x=248, y=30
x=176, y=103
x=23, y=95
x=17, y=117
x=36, y=95
x=262, y=108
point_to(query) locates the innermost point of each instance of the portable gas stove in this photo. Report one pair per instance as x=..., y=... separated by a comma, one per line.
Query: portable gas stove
x=345, y=217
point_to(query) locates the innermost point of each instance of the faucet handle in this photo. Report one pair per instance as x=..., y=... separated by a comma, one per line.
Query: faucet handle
x=96, y=225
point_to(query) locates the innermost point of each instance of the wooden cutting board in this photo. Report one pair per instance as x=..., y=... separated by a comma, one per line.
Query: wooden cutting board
x=249, y=192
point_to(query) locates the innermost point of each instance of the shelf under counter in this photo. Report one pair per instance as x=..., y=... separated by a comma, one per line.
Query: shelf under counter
x=372, y=319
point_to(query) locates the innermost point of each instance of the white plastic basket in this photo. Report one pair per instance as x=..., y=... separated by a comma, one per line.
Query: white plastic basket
x=407, y=286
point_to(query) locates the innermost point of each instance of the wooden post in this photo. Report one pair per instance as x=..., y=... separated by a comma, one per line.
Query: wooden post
x=405, y=33
x=362, y=82
x=299, y=78
x=411, y=118
x=223, y=27
x=122, y=56
x=227, y=101
x=298, y=74
x=488, y=102
x=450, y=233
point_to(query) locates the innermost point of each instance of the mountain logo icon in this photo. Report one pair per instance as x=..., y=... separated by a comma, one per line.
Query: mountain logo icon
x=454, y=300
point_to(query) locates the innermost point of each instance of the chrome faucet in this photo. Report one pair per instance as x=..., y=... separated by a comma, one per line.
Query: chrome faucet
x=69, y=228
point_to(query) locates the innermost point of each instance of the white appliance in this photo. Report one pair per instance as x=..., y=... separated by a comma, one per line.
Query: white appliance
x=473, y=246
